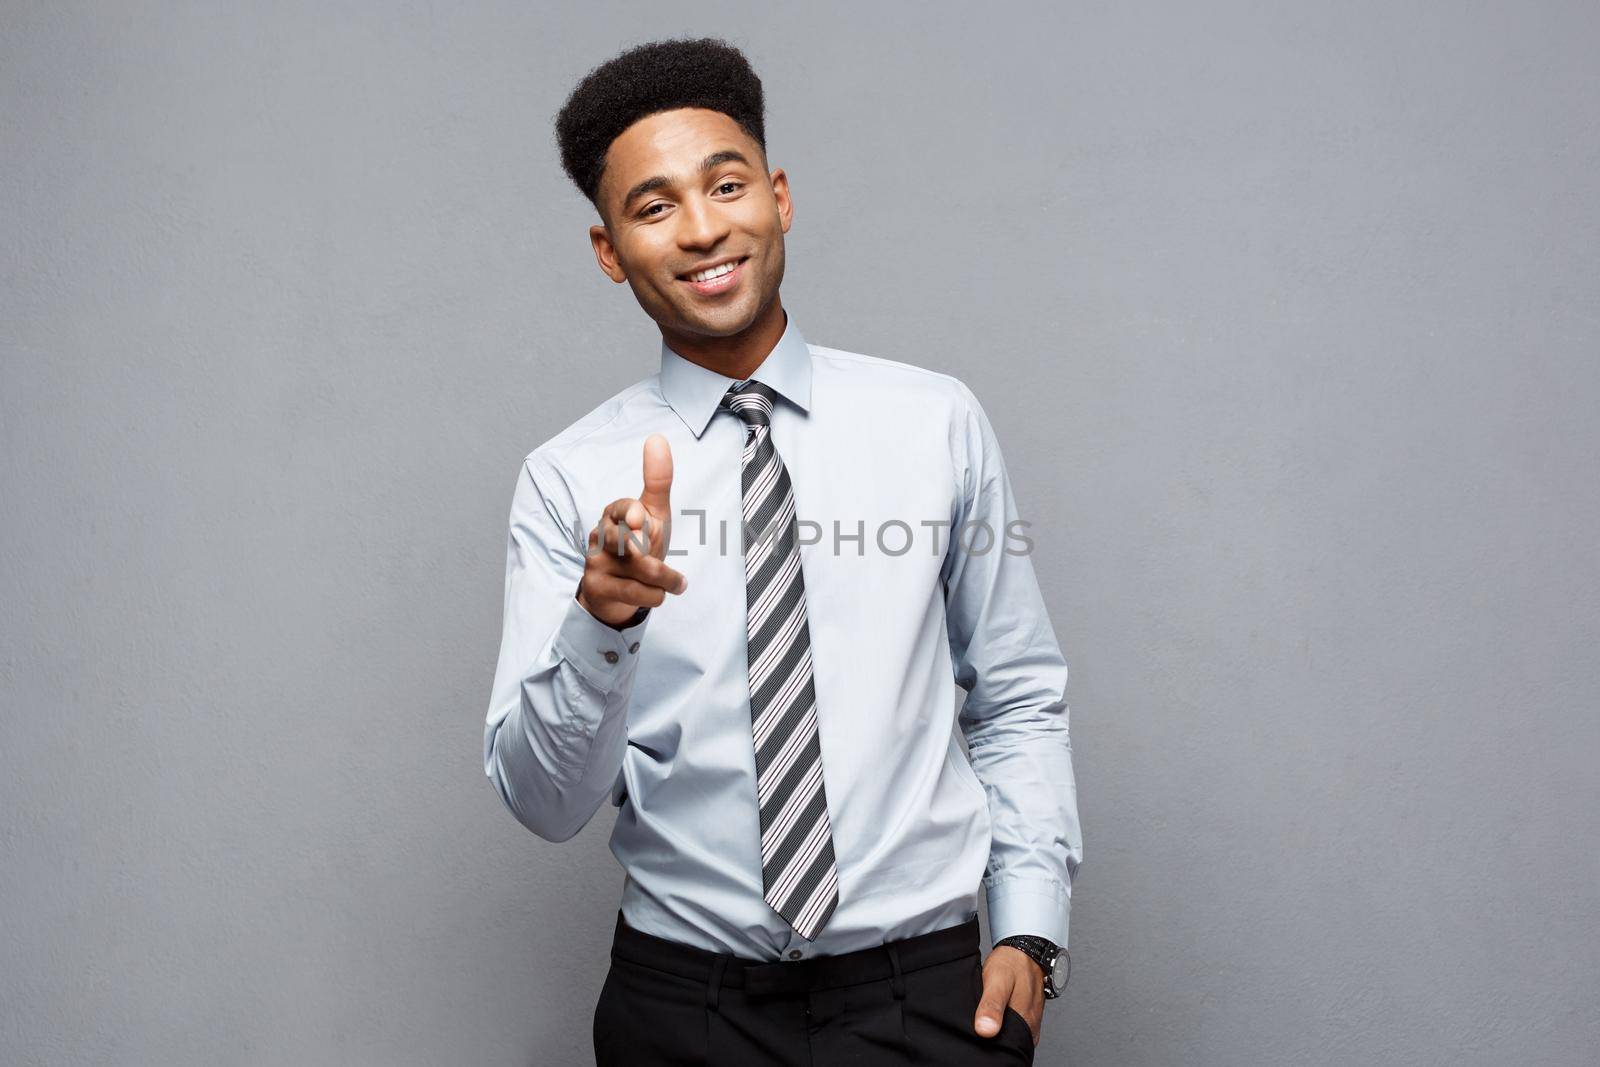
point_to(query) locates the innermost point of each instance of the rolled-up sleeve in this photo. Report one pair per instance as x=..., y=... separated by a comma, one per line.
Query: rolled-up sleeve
x=556, y=729
x=1015, y=717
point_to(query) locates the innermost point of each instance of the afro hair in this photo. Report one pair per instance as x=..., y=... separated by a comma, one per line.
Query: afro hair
x=659, y=76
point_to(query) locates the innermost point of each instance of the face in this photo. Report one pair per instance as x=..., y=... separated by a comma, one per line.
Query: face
x=668, y=213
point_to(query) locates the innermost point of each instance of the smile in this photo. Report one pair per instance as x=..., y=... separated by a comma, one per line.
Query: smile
x=718, y=279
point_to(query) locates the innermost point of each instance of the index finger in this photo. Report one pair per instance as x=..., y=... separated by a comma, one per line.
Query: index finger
x=651, y=571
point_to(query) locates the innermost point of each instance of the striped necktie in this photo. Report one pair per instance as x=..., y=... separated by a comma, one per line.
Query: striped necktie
x=797, y=864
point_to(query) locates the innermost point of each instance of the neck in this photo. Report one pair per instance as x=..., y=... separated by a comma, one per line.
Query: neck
x=738, y=355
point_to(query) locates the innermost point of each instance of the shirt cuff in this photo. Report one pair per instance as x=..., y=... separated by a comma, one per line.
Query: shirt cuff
x=602, y=654
x=1029, y=906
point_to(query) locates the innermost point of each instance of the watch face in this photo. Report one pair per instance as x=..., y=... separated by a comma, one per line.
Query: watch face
x=1058, y=971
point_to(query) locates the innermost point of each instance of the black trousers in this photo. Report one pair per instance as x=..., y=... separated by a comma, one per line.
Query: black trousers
x=910, y=1001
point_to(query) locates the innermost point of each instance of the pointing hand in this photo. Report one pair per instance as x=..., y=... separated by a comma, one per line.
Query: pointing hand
x=623, y=569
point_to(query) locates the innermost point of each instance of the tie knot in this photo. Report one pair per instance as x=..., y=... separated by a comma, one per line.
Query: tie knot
x=751, y=401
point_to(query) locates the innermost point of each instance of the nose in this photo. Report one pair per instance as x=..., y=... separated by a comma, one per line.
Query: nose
x=700, y=224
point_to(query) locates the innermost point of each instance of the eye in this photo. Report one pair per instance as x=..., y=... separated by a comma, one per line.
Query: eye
x=646, y=213
x=730, y=181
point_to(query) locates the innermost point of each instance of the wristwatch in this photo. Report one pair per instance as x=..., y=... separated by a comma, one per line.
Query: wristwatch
x=1055, y=961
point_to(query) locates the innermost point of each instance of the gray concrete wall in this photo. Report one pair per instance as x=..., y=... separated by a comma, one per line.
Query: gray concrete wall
x=1285, y=314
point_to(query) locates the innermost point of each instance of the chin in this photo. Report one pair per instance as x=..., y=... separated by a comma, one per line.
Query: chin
x=723, y=321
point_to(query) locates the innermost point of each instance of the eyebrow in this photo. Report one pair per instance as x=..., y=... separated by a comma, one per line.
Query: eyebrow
x=660, y=181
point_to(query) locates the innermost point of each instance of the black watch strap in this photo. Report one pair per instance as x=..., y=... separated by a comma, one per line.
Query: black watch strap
x=1042, y=951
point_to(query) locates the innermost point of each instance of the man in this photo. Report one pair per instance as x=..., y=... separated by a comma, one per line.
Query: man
x=802, y=834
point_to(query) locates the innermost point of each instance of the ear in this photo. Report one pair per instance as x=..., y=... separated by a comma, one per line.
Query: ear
x=605, y=253
x=780, y=193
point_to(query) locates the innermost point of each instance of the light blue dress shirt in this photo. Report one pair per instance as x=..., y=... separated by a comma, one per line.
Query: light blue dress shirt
x=886, y=460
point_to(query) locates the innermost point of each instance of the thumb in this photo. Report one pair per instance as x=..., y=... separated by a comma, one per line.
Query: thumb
x=656, y=496
x=992, y=1005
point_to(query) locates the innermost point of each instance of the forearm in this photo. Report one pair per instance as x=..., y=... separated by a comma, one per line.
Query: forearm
x=1023, y=757
x=558, y=726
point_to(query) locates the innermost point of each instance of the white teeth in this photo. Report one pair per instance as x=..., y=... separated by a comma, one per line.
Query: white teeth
x=714, y=272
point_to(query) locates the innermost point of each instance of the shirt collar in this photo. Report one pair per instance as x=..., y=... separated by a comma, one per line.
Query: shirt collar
x=695, y=391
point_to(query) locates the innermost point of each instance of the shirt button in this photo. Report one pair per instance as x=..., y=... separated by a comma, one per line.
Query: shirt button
x=611, y=657
x=794, y=954
x=634, y=647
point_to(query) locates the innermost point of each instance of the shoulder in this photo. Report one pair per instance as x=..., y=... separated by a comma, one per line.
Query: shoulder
x=612, y=413
x=941, y=407
x=618, y=414
x=858, y=370
x=555, y=468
